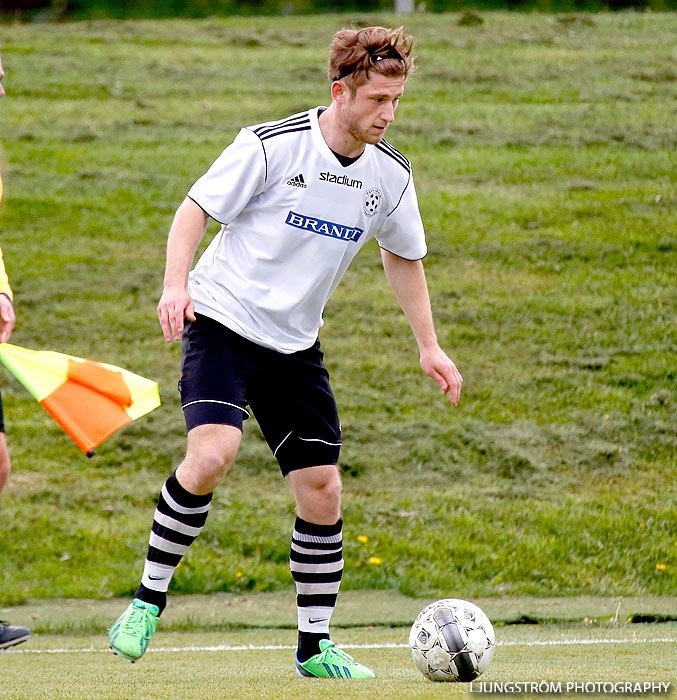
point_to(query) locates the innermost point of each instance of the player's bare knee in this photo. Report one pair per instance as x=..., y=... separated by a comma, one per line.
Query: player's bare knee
x=217, y=457
x=204, y=467
x=209, y=464
x=211, y=452
x=331, y=489
x=322, y=496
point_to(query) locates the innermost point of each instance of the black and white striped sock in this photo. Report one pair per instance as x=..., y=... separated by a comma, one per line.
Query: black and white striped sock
x=316, y=563
x=179, y=519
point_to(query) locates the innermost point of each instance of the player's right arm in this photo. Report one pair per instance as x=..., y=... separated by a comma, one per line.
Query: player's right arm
x=185, y=234
x=7, y=316
x=237, y=175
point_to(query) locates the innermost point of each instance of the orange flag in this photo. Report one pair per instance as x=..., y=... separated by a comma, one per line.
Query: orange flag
x=90, y=400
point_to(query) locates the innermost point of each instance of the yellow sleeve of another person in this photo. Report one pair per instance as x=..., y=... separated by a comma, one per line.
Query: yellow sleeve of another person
x=4, y=282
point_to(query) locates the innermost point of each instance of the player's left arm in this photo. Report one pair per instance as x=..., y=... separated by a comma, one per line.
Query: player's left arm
x=407, y=279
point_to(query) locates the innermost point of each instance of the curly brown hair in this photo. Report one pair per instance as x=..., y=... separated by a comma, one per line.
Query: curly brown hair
x=357, y=52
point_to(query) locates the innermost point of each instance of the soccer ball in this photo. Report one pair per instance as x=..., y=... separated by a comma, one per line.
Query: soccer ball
x=452, y=640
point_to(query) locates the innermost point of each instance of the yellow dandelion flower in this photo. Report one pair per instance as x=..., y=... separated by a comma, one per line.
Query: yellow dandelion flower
x=362, y=539
x=239, y=574
x=660, y=567
x=375, y=561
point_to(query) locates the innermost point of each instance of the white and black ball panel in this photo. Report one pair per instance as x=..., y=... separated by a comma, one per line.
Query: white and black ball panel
x=452, y=640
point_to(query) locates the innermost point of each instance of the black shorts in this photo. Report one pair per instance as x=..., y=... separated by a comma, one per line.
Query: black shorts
x=223, y=373
x=2, y=418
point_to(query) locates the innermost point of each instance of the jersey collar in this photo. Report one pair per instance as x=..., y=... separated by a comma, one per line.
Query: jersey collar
x=324, y=149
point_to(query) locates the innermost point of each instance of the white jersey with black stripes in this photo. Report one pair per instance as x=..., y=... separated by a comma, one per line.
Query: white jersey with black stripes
x=293, y=218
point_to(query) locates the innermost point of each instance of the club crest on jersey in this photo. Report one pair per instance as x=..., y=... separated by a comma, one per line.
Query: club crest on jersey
x=372, y=201
x=324, y=228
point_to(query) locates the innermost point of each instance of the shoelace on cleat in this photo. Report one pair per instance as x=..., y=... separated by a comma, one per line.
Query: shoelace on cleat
x=335, y=653
x=131, y=623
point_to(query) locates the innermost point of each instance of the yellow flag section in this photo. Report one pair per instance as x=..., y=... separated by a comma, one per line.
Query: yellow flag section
x=90, y=400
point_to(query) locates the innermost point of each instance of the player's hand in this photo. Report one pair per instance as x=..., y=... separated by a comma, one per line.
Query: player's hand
x=436, y=364
x=7, y=318
x=174, y=307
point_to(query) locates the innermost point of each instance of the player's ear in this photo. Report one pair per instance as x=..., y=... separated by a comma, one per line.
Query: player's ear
x=339, y=91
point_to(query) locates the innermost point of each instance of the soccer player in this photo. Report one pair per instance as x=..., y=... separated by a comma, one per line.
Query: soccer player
x=297, y=199
x=10, y=635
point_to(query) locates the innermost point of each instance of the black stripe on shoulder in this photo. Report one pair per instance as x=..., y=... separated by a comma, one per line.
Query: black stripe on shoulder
x=386, y=148
x=265, y=155
x=288, y=130
x=389, y=145
x=265, y=130
x=272, y=126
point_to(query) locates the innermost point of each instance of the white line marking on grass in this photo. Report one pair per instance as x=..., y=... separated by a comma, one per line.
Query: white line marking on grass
x=575, y=642
x=288, y=647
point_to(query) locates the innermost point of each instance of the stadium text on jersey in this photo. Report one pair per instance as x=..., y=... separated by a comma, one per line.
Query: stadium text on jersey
x=340, y=180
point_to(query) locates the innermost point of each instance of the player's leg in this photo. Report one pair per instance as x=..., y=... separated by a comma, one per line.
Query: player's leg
x=316, y=557
x=316, y=563
x=183, y=506
x=5, y=464
x=179, y=518
x=10, y=635
x=317, y=491
x=213, y=399
x=297, y=414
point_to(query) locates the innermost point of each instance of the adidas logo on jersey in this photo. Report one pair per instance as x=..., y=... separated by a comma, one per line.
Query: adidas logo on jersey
x=297, y=181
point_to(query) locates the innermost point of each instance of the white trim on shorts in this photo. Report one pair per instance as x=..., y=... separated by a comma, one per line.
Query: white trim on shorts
x=282, y=443
x=224, y=403
x=326, y=442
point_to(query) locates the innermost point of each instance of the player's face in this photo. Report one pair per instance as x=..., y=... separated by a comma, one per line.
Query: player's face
x=368, y=112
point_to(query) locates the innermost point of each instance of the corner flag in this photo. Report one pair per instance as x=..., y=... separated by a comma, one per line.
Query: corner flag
x=90, y=400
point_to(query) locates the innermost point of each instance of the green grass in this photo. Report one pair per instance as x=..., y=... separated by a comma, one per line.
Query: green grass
x=91, y=672
x=543, y=153
x=367, y=609
x=197, y=651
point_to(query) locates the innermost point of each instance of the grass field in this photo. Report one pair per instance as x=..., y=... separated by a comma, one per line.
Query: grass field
x=543, y=150
x=242, y=647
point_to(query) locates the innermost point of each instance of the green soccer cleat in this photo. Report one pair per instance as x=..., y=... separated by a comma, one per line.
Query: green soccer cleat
x=130, y=634
x=331, y=662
